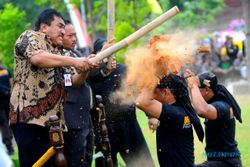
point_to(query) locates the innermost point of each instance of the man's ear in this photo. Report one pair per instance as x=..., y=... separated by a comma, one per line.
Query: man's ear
x=207, y=90
x=166, y=91
x=43, y=28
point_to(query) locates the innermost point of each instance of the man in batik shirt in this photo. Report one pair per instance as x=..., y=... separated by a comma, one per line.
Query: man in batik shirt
x=39, y=84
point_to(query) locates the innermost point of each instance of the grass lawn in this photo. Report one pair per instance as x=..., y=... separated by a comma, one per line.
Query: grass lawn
x=242, y=136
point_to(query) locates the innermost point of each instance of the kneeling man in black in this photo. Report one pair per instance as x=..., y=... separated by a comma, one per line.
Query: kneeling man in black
x=213, y=102
x=169, y=102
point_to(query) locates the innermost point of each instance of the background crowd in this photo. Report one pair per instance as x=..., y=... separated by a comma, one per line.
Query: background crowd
x=223, y=53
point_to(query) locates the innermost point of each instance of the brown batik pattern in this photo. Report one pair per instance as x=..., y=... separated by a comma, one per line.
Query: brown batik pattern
x=43, y=106
x=37, y=92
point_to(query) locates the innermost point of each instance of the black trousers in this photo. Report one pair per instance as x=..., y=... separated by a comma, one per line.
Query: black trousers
x=79, y=145
x=127, y=139
x=4, y=125
x=32, y=141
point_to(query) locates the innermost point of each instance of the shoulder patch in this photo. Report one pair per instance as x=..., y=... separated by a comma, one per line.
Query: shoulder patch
x=4, y=72
x=187, y=122
x=231, y=113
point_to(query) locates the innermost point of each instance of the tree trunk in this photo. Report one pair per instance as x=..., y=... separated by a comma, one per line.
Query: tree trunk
x=246, y=15
x=90, y=19
x=135, y=25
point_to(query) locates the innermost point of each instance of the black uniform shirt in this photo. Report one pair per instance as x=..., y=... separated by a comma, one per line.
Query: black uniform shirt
x=77, y=107
x=220, y=133
x=175, y=145
x=4, y=85
x=115, y=111
x=78, y=103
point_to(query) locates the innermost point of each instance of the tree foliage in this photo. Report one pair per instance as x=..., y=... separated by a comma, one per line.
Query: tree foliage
x=12, y=23
x=29, y=6
x=194, y=14
x=130, y=15
x=34, y=7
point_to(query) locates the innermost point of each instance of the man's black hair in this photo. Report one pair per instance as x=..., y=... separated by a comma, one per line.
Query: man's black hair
x=209, y=79
x=98, y=45
x=67, y=22
x=178, y=87
x=46, y=17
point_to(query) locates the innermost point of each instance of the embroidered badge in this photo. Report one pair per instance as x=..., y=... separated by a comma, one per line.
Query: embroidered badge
x=231, y=113
x=4, y=72
x=187, y=122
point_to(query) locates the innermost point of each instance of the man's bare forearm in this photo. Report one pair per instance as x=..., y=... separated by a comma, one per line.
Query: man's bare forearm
x=199, y=104
x=148, y=104
x=79, y=79
x=50, y=60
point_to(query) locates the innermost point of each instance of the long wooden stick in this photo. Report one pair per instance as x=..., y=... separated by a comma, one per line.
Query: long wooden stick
x=111, y=25
x=136, y=35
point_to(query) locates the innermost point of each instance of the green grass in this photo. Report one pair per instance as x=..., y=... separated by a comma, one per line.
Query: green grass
x=242, y=133
x=242, y=136
x=14, y=158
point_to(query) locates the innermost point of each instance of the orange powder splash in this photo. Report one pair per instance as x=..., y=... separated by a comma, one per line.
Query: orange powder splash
x=146, y=66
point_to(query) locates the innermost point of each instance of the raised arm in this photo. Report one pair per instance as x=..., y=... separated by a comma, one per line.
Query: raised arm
x=49, y=60
x=146, y=102
x=200, y=105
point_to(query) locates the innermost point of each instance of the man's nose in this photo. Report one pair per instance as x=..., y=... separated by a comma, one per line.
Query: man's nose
x=63, y=31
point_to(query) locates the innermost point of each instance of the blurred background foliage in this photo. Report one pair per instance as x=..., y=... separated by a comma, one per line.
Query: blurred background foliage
x=12, y=23
x=18, y=15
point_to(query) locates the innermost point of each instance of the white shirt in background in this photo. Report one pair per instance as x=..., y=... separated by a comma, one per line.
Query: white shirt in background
x=5, y=160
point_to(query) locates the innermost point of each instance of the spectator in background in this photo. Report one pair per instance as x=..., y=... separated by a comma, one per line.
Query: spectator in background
x=224, y=66
x=223, y=70
x=205, y=59
x=240, y=64
x=215, y=47
x=5, y=91
x=216, y=43
x=231, y=49
x=208, y=63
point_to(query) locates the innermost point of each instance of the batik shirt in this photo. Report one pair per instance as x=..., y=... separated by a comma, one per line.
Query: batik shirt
x=69, y=53
x=37, y=93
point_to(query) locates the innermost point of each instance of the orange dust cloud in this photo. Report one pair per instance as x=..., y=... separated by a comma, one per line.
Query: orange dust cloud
x=146, y=66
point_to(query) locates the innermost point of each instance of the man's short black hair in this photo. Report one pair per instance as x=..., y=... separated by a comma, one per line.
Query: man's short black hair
x=208, y=79
x=46, y=17
x=98, y=44
x=178, y=87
